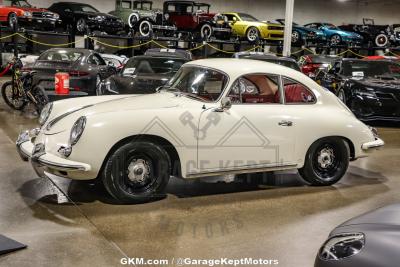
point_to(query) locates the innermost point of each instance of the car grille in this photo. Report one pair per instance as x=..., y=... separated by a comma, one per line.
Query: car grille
x=275, y=28
x=398, y=35
x=43, y=15
x=276, y=35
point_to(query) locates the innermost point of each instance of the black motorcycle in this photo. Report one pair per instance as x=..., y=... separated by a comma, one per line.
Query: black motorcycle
x=18, y=92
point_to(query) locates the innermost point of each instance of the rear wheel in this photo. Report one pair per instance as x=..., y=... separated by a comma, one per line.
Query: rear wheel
x=132, y=20
x=137, y=172
x=326, y=162
x=336, y=40
x=12, y=98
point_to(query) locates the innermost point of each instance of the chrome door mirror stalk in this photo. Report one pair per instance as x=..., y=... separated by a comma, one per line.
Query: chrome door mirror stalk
x=226, y=104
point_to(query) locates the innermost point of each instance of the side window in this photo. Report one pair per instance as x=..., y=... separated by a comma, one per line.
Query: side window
x=91, y=60
x=99, y=60
x=256, y=89
x=297, y=93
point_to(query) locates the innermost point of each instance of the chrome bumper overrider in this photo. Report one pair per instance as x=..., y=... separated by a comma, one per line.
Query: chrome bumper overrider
x=36, y=153
x=374, y=144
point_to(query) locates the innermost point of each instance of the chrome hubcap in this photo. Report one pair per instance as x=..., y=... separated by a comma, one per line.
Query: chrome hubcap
x=295, y=37
x=138, y=171
x=335, y=40
x=326, y=158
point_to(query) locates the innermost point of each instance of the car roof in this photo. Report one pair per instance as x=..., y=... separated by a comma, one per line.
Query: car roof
x=237, y=67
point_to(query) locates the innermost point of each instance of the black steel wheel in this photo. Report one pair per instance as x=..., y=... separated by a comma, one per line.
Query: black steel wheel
x=137, y=172
x=326, y=162
x=12, y=97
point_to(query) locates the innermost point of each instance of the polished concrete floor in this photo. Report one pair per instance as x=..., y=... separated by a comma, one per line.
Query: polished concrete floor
x=68, y=223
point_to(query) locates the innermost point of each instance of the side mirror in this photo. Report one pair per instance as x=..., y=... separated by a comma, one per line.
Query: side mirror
x=226, y=104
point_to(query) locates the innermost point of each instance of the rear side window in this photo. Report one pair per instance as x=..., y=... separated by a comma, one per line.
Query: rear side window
x=256, y=89
x=297, y=93
x=60, y=55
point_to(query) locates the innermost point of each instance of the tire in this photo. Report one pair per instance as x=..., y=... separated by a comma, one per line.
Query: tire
x=381, y=40
x=133, y=20
x=151, y=164
x=41, y=98
x=335, y=40
x=341, y=95
x=12, y=20
x=145, y=28
x=296, y=38
x=252, y=34
x=206, y=31
x=326, y=162
x=6, y=92
x=81, y=26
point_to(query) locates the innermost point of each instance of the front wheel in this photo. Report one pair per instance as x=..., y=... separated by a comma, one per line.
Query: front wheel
x=12, y=20
x=40, y=98
x=81, y=25
x=296, y=38
x=12, y=96
x=145, y=28
x=336, y=40
x=206, y=31
x=381, y=40
x=341, y=95
x=326, y=162
x=252, y=34
x=137, y=172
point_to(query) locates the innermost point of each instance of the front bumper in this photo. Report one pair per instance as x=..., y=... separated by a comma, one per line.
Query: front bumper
x=39, y=21
x=373, y=145
x=42, y=161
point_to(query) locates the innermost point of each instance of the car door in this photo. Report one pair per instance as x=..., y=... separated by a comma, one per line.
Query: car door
x=255, y=132
x=101, y=66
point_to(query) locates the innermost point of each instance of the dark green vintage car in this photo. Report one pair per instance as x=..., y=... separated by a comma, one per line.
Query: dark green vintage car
x=140, y=16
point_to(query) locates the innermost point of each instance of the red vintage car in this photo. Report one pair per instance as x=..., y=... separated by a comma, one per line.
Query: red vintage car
x=195, y=17
x=23, y=13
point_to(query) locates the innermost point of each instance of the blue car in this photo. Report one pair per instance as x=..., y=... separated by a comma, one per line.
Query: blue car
x=302, y=35
x=336, y=36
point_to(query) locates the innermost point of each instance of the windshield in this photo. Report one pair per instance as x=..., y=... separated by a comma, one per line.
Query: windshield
x=373, y=69
x=204, y=8
x=21, y=3
x=330, y=26
x=322, y=59
x=148, y=66
x=199, y=83
x=247, y=17
x=60, y=55
x=84, y=8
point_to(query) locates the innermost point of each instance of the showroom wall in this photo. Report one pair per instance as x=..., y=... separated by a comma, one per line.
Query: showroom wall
x=335, y=11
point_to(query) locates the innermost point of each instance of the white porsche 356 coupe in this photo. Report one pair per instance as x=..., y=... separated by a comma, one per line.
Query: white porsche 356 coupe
x=215, y=117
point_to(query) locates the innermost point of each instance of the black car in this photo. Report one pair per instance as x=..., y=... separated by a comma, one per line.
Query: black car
x=374, y=35
x=284, y=61
x=83, y=17
x=86, y=70
x=144, y=74
x=370, y=88
x=370, y=240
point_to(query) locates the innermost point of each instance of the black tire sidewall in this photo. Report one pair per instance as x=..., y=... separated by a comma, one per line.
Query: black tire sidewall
x=3, y=94
x=161, y=166
x=308, y=172
x=40, y=90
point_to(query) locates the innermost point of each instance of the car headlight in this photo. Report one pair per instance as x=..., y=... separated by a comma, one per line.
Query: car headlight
x=77, y=130
x=56, y=16
x=342, y=246
x=374, y=132
x=367, y=92
x=27, y=14
x=100, y=18
x=166, y=16
x=45, y=114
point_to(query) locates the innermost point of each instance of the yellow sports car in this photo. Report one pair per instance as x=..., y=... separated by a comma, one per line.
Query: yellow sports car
x=245, y=25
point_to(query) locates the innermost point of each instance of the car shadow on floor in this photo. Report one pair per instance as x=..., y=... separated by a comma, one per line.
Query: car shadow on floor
x=255, y=186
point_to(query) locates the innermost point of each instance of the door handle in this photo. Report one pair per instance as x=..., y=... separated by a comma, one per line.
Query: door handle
x=286, y=123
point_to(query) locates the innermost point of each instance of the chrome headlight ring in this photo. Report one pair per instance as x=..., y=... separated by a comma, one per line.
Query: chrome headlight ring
x=45, y=114
x=77, y=130
x=27, y=14
x=342, y=246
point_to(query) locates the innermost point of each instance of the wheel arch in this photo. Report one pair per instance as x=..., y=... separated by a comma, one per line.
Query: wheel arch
x=349, y=143
x=166, y=144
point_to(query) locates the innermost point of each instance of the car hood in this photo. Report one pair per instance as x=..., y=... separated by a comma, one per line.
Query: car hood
x=95, y=14
x=139, y=84
x=67, y=111
x=389, y=215
x=378, y=83
x=33, y=9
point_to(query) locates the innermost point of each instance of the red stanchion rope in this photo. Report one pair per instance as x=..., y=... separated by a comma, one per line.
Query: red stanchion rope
x=7, y=68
